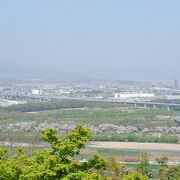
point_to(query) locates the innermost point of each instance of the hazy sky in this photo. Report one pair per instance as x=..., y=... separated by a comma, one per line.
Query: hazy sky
x=113, y=39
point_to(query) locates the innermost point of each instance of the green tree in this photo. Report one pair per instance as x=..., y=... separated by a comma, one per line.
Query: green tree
x=167, y=172
x=143, y=167
x=57, y=162
x=60, y=161
x=134, y=175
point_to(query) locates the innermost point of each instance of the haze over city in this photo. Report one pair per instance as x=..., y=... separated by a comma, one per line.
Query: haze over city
x=121, y=40
x=89, y=89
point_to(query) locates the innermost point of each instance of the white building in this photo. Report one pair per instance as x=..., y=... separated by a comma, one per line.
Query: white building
x=36, y=92
x=133, y=95
x=169, y=97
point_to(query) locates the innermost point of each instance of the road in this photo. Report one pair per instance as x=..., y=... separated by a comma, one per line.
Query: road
x=136, y=146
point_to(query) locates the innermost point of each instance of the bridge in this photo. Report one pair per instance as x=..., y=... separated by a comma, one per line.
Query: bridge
x=23, y=97
x=146, y=104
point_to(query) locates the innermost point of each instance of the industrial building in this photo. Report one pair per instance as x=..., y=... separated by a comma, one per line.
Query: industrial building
x=133, y=95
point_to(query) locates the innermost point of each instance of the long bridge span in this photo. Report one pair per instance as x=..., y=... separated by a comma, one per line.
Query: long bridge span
x=146, y=104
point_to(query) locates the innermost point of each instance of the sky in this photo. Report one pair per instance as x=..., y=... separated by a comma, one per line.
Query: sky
x=104, y=39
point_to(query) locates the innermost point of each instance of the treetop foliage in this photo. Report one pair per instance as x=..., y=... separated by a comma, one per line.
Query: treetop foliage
x=60, y=161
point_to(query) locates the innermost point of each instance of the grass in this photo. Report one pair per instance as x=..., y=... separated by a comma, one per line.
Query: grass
x=135, y=137
x=117, y=153
x=140, y=118
x=108, y=153
x=95, y=115
x=33, y=137
x=19, y=136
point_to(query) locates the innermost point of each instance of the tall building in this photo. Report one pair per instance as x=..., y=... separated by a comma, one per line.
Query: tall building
x=175, y=84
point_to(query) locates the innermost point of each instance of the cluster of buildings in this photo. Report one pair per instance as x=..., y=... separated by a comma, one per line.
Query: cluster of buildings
x=21, y=91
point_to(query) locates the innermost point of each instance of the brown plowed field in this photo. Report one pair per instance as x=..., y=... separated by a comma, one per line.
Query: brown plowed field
x=136, y=146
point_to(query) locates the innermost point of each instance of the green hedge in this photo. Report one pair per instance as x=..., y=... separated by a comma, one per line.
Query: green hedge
x=135, y=138
x=60, y=104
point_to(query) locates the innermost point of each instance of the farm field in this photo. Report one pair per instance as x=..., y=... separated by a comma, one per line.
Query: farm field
x=123, y=146
x=96, y=114
x=19, y=125
x=127, y=153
